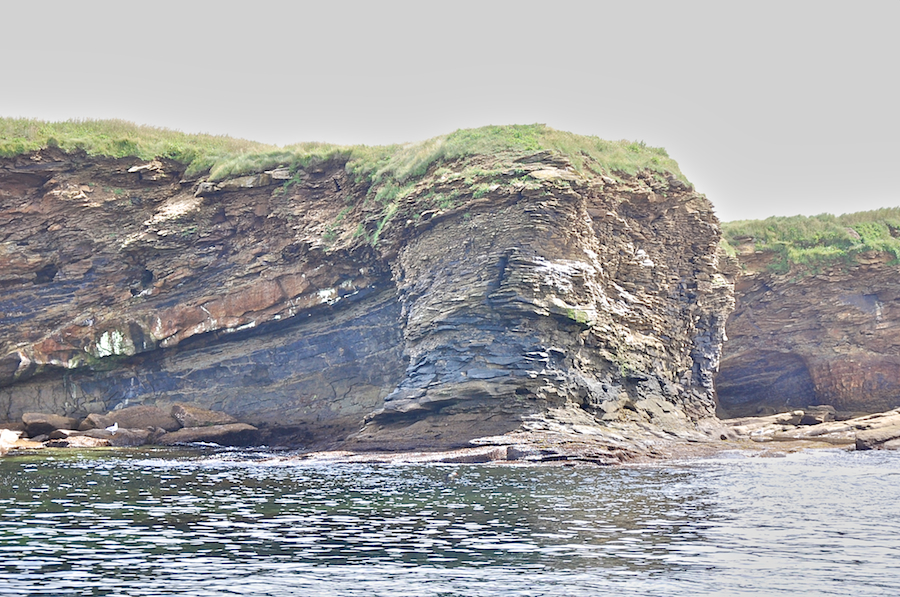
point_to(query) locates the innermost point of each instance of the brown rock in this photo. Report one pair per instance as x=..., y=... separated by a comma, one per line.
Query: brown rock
x=95, y=421
x=478, y=456
x=815, y=415
x=508, y=301
x=143, y=417
x=77, y=441
x=133, y=437
x=805, y=337
x=124, y=436
x=44, y=423
x=63, y=433
x=234, y=434
x=193, y=416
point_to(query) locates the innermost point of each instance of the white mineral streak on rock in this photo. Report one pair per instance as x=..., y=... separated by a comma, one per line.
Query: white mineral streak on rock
x=173, y=208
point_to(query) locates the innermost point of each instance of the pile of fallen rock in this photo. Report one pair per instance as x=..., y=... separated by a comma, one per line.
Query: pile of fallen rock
x=879, y=431
x=130, y=426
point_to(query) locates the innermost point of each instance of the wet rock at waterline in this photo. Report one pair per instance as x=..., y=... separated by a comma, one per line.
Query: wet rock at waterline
x=134, y=426
x=231, y=434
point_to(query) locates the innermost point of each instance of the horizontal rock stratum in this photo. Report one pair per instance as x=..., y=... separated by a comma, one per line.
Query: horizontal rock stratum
x=393, y=298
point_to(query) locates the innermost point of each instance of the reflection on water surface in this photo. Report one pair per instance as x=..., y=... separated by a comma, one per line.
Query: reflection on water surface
x=193, y=522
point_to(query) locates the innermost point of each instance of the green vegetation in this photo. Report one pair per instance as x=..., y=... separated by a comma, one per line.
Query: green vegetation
x=406, y=162
x=578, y=316
x=219, y=155
x=818, y=241
x=482, y=159
x=225, y=156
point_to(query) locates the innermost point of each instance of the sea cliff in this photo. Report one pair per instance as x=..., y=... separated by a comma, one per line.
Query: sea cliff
x=494, y=281
x=817, y=320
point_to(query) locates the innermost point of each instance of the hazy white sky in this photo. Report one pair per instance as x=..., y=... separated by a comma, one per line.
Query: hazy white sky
x=770, y=108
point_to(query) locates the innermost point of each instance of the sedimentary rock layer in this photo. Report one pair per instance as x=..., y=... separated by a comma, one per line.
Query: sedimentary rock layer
x=828, y=337
x=306, y=304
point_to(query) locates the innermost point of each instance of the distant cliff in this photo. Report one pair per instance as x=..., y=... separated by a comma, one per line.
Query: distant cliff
x=409, y=296
x=817, y=320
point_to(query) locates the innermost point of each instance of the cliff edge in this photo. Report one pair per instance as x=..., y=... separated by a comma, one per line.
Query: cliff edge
x=817, y=320
x=487, y=282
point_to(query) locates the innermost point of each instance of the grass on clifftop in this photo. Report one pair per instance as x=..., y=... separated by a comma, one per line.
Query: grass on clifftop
x=410, y=161
x=390, y=173
x=219, y=155
x=225, y=157
x=819, y=241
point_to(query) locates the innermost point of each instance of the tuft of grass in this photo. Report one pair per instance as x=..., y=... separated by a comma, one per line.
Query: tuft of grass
x=387, y=214
x=818, y=241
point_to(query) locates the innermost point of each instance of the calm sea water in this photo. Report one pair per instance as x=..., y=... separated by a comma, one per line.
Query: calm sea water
x=193, y=522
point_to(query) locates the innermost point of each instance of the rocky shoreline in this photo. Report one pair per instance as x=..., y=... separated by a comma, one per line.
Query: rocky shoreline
x=770, y=436
x=554, y=439
x=131, y=426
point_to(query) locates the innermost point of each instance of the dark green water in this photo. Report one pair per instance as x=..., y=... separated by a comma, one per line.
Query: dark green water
x=193, y=522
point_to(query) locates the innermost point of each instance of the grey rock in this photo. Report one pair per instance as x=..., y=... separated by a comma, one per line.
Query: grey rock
x=873, y=438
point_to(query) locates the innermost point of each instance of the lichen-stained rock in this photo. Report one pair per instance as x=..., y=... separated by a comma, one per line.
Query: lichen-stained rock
x=489, y=291
x=813, y=337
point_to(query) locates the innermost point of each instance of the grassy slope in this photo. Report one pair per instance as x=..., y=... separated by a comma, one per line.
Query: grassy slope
x=223, y=157
x=815, y=242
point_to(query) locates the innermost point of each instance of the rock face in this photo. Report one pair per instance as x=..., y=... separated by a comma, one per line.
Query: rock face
x=813, y=338
x=297, y=302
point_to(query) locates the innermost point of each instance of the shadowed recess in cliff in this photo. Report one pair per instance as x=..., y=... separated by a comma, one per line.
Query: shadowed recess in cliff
x=764, y=383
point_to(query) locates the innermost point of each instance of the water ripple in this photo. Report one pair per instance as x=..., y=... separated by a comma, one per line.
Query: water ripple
x=162, y=522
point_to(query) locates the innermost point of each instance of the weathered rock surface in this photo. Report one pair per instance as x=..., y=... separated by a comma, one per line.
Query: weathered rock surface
x=232, y=434
x=804, y=338
x=45, y=423
x=77, y=441
x=144, y=417
x=124, y=437
x=864, y=432
x=192, y=416
x=307, y=312
x=95, y=421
